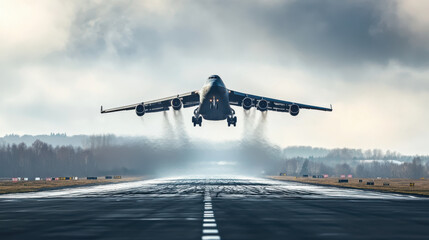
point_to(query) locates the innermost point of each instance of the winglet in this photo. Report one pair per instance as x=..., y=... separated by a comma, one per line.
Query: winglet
x=331, y=107
x=101, y=110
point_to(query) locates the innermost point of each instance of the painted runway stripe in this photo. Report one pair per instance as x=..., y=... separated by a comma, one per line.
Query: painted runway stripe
x=210, y=238
x=210, y=231
x=207, y=225
x=208, y=220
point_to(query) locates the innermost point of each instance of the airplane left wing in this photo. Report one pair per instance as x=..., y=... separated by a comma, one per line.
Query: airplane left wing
x=264, y=103
x=186, y=100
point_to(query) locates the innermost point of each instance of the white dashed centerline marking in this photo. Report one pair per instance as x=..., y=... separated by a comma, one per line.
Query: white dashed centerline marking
x=206, y=225
x=208, y=237
x=210, y=231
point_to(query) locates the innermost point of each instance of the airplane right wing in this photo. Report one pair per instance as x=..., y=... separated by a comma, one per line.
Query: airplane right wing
x=264, y=103
x=186, y=100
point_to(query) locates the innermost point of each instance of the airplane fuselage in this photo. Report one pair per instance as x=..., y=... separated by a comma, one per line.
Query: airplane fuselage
x=214, y=100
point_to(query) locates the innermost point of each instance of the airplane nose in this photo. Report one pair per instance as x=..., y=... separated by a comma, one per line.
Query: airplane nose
x=216, y=83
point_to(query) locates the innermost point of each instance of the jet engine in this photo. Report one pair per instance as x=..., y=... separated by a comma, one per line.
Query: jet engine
x=140, y=110
x=294, y=109
x=262, y=105
x=247, y=103
x=176, y=104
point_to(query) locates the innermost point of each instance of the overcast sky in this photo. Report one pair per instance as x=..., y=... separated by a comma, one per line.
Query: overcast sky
x=61, y=60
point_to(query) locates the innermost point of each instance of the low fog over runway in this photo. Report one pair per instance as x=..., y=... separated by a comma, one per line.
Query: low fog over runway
x=212, y=208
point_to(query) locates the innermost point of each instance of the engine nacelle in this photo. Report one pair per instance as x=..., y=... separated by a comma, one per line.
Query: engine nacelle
x=140, y=110
x=262, y=105
x=294, y=109
x=247, y=103
x=176, y=104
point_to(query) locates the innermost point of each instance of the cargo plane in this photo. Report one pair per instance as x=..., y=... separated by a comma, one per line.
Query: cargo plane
x=214, y=102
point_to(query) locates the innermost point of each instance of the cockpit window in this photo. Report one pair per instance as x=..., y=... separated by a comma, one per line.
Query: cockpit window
x=213, y=77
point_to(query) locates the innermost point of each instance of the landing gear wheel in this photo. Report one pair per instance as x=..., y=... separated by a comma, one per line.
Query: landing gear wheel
x=232, y=120
x=200, y=120
x=196, y=120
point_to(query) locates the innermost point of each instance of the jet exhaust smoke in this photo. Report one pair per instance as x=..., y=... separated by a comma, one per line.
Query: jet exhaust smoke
x=182, y=134
x=168, y=129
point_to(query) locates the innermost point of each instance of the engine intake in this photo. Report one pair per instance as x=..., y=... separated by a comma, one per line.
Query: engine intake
x=262, y=105
x=176, y=104
x=247, y=103
x=294, y=109
x=140, y=110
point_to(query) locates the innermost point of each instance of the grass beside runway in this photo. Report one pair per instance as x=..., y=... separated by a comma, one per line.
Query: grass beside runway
x=395, y=185
x=32, y=186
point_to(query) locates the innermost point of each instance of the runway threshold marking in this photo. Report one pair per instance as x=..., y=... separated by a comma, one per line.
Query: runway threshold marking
x=210, y=231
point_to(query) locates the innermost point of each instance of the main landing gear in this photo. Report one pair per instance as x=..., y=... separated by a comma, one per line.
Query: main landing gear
x=197, y=119
x=232, y=120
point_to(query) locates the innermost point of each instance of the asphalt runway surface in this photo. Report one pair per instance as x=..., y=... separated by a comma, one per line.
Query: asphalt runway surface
x=212, y=208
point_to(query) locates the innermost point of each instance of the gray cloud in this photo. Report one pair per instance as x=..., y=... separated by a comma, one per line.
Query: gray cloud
x=316, y=32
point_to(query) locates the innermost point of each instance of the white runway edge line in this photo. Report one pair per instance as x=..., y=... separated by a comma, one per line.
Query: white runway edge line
x=210, y=231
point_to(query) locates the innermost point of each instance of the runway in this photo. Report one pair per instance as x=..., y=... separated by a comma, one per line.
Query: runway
x=212, y=208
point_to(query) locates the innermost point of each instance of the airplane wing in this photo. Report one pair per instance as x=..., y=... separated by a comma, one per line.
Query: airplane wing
x=249, y=100
x=186, y=100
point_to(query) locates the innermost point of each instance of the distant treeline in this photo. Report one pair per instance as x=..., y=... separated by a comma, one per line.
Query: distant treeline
x=92, y=141
x=103, y=156
x=417, y=168
x=342, y=154
x=111, y=155
x=44, y=160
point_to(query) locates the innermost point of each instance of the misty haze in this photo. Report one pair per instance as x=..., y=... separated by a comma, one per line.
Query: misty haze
x=108, y=154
